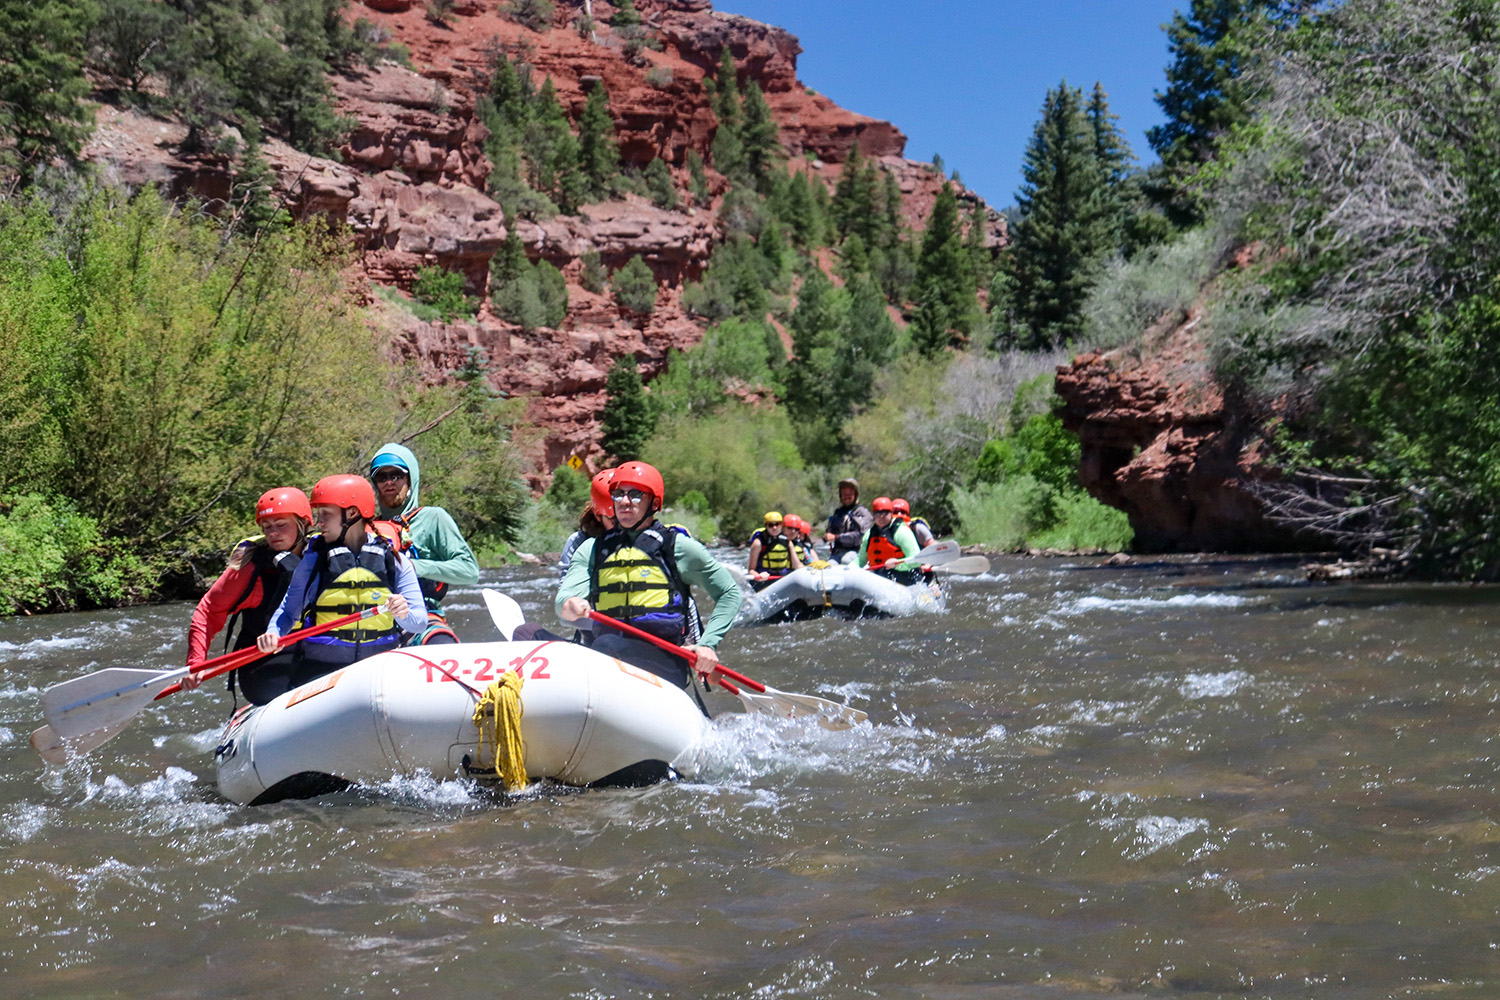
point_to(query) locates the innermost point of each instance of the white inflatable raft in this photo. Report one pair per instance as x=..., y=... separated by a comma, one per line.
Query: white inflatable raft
x=838, y=589
x=588, y=719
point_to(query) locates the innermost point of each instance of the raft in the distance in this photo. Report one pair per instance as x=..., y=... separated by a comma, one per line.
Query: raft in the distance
x=848, y=591
x=588, y=719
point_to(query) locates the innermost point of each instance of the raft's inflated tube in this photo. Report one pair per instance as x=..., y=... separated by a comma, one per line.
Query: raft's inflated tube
x=842, y=589
x=587, y=719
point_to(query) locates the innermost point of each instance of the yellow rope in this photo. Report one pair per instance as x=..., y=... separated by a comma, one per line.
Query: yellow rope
x=498, y=719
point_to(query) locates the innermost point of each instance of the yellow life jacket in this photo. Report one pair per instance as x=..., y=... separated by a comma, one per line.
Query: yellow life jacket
x=344, y=582
x=635, y=580
x=775, y=553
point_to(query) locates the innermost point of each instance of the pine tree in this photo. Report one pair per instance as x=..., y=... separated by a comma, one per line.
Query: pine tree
x=252, y=196
x=814, y=325
x=726, y=94
x=760, y=137
x=697, y=179
x=659, y=183
x=1067, y=224
x=944, y=270
x=598, y=146
x=42, y=86
x=981, y=262
x=628, y=420
x=854, y=196
x=634, y=286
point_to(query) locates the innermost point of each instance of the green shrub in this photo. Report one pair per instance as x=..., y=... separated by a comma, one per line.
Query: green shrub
x=52, y=558
x=634, y=286
x=569, y=489
x=1002, y=516
x=659, y=183
x=1159, y=282
x=1084, y=523
x=443, y=290
x=594, y=278
x=742, y=460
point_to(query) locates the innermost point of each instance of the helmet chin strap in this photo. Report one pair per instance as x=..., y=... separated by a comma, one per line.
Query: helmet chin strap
x=345, y=520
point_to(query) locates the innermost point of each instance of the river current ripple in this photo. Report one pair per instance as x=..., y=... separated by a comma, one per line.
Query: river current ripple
x=1190, y=777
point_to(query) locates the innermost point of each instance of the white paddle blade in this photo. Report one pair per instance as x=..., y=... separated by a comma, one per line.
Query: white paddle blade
x=103, y=699
x=830, y=714
x=54, y=749
x=967, y=566
x=937, y=553
x=504, y=611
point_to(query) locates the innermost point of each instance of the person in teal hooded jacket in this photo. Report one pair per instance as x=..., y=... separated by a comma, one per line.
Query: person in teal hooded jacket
x=433, y=542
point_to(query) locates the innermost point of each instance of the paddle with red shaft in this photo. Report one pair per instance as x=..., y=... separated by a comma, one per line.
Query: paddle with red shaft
x=106, y=698
x=760, y=698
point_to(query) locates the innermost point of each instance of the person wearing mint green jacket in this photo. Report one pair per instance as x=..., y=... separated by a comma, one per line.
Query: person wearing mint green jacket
x=430, y=536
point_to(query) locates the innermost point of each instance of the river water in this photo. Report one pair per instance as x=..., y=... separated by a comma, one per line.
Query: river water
x=1201, y=778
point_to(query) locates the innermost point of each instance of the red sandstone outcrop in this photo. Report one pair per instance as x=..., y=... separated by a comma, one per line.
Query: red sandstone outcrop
x=1159, y=444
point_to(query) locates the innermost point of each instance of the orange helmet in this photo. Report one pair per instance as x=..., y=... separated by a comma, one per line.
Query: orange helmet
x=643, y=477
x=345, y=491
x=883, y=503
x=599, y=494
x=284, y=500
x=901, y=506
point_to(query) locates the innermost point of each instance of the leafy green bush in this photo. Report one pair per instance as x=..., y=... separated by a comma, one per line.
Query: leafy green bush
x=569, y=489
x=161, y=375
x=594, y=278
x=1158, y=282
x=732, y=356
x=52, y=558
x=443, y=290
x=741, y=459
x=1003, y=516
x=1084, y=523
x=634, y=286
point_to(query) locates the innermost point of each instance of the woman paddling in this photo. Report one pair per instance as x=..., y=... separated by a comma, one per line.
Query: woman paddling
x=348, y=567
x=252, y=585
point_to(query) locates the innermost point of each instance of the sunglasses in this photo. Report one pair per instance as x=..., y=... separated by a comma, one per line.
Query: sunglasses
x=386, y=475
x=628, y=496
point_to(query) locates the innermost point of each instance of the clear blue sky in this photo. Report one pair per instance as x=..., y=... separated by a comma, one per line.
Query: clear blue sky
x=966, y=78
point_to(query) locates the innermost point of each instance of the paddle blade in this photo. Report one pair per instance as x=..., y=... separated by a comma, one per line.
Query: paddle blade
x=830, y=714
x=937, y=554
x=504, y=611
x=54, y=749
x=967, y=566
x=103, y=698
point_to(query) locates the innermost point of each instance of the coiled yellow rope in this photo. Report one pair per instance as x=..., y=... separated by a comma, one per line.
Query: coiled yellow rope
x=498, y=719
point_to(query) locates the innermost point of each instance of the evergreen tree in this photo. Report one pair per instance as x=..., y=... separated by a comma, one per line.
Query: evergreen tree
x=598, y=147
x=625, y=15
x=726, y=92
x=944, y=270
x=697, y=179
x=252, y=196
x=854, y=197
x=42, y=86
x=659, y=183
x=981, y=263
x=628, y=420
x=760, y=139
x=635, y=287
x=1206, y=94
x=1067, y=226
x=510, y=262
x=815, y=326
x=594, y=278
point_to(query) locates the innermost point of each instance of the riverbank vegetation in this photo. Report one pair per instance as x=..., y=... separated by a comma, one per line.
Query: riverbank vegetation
x=161, y=373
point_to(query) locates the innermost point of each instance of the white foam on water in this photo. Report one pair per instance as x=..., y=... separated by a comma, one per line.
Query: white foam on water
x=1197, y=686
x=7, y=735
x=1152, y=833
x=1084, y=605
x=33, y=646
x=23, y=821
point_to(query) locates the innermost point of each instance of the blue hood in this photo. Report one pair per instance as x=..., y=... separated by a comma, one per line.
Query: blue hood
x=410, y=461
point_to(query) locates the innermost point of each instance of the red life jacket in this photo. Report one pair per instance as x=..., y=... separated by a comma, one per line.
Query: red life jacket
x=882, y=545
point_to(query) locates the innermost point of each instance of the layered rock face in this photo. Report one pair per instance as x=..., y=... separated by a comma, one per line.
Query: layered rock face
x=1160, y=444
x=410, y=182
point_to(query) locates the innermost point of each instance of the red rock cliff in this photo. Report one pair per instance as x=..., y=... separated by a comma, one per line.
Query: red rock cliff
x=1160, y=444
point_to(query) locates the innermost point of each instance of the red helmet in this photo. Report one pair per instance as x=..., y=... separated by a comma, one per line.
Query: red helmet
x=599, y=494
x=284, y=500
x=793, y=522
x=643, y=477
x=883, y=503
x=901, y=506
x=345, y=491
